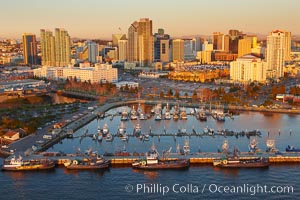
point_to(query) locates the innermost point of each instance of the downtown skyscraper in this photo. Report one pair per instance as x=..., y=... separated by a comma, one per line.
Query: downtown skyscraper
x=56, y=50
x=278, y=51
x=30, y=49
x=140, y=42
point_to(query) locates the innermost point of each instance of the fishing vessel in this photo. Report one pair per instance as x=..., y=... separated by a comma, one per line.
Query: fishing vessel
x=143, y=116
x=88, y=163
x=152, y=162
x=19, y=164
x=235, y=161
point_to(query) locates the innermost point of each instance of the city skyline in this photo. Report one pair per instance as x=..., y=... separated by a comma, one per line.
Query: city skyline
x=100, y=19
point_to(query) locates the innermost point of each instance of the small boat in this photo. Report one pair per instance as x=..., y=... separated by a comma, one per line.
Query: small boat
x=133, y=114
x=253, y=146
x=291, y=149
x=124, y=115
x=152, y=162
x=167, y=115
x=143, y=116
x=175, y=116
x=202, y=116
x=18, y=164
x=271, y=146
x=236, y=161
x=89, y=163
x=186, y=147
x=183, y=115
x=105, y=130
x=137, y=131
x=121, y=129
x=157, y=117
x=192, y=111
x=109, y=138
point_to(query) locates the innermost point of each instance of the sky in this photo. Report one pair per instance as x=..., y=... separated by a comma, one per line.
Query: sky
x=99, y=19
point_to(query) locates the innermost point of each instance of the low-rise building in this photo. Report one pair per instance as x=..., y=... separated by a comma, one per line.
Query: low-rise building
x=101, y=72
x=248, y=68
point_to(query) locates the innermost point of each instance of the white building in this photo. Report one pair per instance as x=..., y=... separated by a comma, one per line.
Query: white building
x=278, y=51
x=248, y=68
x=123, y=48
x=101, y=72
x=128, y=83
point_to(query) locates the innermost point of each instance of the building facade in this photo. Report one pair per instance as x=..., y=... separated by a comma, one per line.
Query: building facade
x=123, y=50
x=178, y=50
x=278, y=51
x=248, y=68
x=141, y=42
x=101, y=72
x=56, y=50
x=30, y=49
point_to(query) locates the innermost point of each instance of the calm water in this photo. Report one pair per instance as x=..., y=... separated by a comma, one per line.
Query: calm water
x=112, y=183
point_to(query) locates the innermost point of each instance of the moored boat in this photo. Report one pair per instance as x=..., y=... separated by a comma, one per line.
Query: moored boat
x=152, y=162
x=236, y=161
x=18, y=164
x=291, y=149
x=92, y=162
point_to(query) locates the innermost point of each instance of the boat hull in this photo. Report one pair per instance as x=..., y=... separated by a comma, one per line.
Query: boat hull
x=87, y=167
x=30, y=167
x=243, y=163
x=165, y=164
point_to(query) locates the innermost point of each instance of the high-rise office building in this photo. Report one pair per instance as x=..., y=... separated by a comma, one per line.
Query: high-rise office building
x=161, y=46
x=123, y=49
x=93, y=51
x=221, y=42
x=30, y=49
x=133, y=42
x=178, y=50
x=244, y=47
x=140, y=42
x=56, y=51
x=278, y=51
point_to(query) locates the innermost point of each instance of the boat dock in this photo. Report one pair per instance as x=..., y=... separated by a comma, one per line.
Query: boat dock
x=194, y=160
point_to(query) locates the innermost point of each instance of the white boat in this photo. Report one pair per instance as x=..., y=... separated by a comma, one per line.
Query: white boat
x=124, y=115
x=192, y=111
x=105, y=129
x=157, y=117
x=186, y=147
x=133, y=114
x=121, y=129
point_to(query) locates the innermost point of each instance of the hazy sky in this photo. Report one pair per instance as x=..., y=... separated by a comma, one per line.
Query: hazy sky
x=101, y=18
